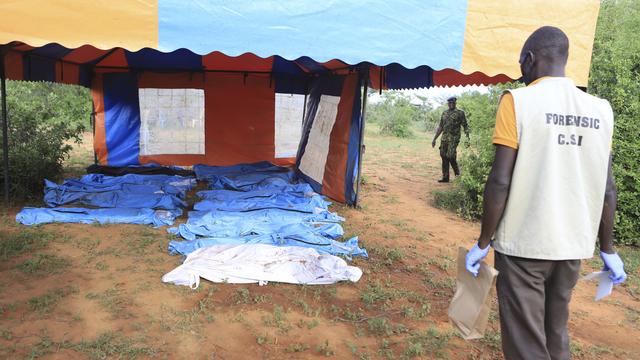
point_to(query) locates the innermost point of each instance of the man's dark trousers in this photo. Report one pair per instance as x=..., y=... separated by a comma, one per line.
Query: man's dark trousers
x=533, y=297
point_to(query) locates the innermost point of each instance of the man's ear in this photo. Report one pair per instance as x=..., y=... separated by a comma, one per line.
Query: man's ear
x=532, y=57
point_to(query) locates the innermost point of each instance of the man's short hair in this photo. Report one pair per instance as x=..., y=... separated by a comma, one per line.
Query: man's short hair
x=549, y=42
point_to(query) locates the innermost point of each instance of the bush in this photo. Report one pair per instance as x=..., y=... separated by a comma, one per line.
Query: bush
x=467, y=195
x=44, y=119
x=615, y=70
x=394, y=114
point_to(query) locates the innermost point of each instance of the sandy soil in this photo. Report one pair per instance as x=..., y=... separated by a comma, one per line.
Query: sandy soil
x=109, y=301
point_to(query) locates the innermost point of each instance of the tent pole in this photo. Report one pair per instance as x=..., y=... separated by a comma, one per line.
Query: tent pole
x=92, y=118
x=5, y=131
x=361, y=143
x=304, y=108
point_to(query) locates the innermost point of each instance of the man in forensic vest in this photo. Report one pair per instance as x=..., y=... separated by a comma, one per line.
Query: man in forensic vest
x=450, y=122
x=549, y=196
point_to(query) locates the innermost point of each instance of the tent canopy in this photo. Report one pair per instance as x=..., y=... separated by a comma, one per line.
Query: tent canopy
x=224, y=82
x=465, y=36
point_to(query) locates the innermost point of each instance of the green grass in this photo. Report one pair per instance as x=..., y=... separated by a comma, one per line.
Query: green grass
x=189, y=321
x=6, y=334
x=243, y=296
x=44, y=264
x=593, y=351
x=44, y=304
x=277, y=319
x=306, y=308
x=429, y=343
x=297, y=347
x=631, y=257
x=380, y=326
x=376, y=293
x=114, y=345
x=41, y=348
x=139, y=241
x=325, y=349
x=114, y=302
x=14, y=244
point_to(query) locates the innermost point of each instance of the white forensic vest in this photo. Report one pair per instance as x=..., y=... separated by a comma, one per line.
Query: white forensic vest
x=557, y=188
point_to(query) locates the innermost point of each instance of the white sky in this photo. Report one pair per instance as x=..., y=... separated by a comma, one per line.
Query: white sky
x=435, y=95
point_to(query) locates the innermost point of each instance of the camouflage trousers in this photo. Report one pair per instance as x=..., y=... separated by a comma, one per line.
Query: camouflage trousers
x=448, y=154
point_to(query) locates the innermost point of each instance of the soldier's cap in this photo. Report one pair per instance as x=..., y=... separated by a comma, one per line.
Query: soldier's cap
x=452, y=99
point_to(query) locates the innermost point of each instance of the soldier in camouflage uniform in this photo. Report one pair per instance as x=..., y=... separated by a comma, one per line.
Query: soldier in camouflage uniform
x=450, y=123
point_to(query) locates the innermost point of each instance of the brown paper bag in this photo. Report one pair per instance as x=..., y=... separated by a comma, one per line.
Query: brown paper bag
x=471, y=304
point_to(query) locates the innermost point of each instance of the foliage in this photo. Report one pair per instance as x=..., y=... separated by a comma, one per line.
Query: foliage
x=395, y=114
x=466, y=197
x=615, y=74
x=43, y=119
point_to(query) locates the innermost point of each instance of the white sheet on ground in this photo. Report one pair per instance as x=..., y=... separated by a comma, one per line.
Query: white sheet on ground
x=259, y=263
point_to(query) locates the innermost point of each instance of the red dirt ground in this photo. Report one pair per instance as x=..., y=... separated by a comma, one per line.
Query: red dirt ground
x=113, y=287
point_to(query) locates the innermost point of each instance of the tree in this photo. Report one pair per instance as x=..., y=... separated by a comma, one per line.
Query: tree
x=44, y=118
x=615, y=76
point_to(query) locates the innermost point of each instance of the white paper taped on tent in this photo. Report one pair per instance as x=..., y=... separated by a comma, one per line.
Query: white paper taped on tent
x=260, y=263
x=171, y=121
x=288, y=124
x=314, y=158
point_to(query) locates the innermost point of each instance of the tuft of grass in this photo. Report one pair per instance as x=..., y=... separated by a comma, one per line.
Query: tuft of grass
x=380, y=326
x=277, y=319
x=297, y=347
x=41, y=348
x=411, y=313
x=306, y=308
x=44, y=304
x=6, y=334
x=324, y=349
x=377, y=293
x=114, y=302
x=14, y=244
x=189, y=321
x=492, y=339
x=428, y=342
x=43, y=264
x=385, y=350
x=114, y=345
x=263, y=339
x=242, y=296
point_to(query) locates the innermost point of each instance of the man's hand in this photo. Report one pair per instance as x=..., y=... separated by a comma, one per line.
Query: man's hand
x=613, y=263
x=473, y=258
x=433, y=143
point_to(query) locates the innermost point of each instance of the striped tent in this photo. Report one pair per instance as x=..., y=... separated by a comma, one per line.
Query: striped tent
x=224, y=82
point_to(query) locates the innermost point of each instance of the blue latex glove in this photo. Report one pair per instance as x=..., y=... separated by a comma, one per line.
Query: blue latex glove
x=473, y=258
x=613, y=263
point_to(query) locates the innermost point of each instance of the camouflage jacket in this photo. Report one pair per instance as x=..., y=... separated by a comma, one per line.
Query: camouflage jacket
x=451, y=122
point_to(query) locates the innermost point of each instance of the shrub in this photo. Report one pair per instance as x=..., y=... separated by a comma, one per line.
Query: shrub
x=44, y=118
x=394, y=114
x=615, y=70
x=467, y=195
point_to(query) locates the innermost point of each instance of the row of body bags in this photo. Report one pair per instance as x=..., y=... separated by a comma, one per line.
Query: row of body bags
x=132, y=199
x=259, y=223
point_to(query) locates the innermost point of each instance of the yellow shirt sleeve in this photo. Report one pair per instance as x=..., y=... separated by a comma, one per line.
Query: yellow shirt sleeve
x=506, y=132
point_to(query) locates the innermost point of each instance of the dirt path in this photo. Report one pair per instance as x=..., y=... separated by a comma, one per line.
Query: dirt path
x=95, y=291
